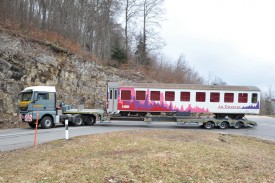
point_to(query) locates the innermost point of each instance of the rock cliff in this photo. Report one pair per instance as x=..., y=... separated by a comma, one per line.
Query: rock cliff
x=27, y=62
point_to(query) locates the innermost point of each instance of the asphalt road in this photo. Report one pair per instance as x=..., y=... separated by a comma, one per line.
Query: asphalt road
x=17, y=138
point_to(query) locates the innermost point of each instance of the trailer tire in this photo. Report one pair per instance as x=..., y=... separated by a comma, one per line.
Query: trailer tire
x=223, y=125
x=238, y=125
x=46, y=122
x=208, y=125
x=32, y=125
x=90, y=120
x=78, y=120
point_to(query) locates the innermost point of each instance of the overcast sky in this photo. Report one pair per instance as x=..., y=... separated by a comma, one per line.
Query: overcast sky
x=231, y=39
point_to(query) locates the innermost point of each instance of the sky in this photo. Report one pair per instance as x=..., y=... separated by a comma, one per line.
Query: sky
x=230, y=39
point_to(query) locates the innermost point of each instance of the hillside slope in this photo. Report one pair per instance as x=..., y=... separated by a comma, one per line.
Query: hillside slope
x=27, y=62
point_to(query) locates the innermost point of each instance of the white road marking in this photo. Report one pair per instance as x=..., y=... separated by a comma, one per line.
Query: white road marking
x=265, y=124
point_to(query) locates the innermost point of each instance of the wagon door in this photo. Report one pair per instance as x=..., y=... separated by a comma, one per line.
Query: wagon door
x=112, y=97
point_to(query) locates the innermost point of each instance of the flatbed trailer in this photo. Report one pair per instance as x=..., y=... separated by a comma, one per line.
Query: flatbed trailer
x=206, y=122
x=81, y=116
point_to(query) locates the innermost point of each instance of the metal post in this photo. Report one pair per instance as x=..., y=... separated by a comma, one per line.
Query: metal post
x=36, y=126
x=66, y=129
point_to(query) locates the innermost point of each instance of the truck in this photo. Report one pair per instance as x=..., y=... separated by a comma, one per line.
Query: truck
x=39, y=103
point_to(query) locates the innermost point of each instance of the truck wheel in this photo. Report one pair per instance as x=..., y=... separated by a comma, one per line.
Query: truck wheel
x=78, y=120
x=32, y=125
x=223, y=125
x=90, y=120
x=237, y=125
x=46, y=122
x=208, y=125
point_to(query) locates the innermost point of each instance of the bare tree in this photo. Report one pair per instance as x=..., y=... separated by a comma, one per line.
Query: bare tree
x=87, y=22
x=266, y=102
x=214, y=80
x=151, y=14
x=132, y=8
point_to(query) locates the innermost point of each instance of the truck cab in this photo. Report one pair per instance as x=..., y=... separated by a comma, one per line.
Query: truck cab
x=42, y=99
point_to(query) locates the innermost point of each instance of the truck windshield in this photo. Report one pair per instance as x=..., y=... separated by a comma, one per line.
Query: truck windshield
x=26, y=96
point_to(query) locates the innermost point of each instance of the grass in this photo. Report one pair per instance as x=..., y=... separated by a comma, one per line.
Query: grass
x=144, y=156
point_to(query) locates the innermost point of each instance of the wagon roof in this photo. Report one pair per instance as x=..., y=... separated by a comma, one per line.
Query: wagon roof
x=190, y=86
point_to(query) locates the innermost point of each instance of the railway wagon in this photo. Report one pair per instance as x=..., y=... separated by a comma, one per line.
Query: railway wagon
x=182, y=99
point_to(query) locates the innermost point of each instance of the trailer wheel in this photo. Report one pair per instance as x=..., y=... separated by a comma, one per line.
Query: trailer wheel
x=223, y=125
x=208, y=125
x=90, y=120
x=238, y=125
x=32, y=125
x=46, y=122
x=78, y=120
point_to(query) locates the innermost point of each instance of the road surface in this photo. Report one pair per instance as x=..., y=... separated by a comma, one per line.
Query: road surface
x=17, y=138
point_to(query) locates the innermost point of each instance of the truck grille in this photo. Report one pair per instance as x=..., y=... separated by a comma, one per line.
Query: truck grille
x=23, y=108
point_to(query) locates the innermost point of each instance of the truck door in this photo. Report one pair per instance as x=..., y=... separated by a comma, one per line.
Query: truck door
x=45, y=103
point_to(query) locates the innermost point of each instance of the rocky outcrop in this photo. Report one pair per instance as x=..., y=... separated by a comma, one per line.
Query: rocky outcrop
x=25, y=62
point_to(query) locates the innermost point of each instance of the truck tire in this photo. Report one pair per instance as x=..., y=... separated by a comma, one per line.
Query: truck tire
x=208, y=125
x=46, y=122
x=32, y=125
x=238, y=125
x=223, y=125
x=90, y=120
x=78, y=120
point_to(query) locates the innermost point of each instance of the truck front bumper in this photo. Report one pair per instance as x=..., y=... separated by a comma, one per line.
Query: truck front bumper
x=26, y=117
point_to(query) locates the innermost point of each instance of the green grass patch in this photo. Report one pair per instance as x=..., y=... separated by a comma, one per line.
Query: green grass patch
x=144, y=156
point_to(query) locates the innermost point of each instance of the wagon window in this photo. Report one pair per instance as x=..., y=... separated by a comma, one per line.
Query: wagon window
x=185, y=96
x=115, y=91
x=229, y=97
x=200, y=96
x=126, y=95
x=242, y=98
x=214, y=97
x=169, y=96
x=111, y=94
x=140, y=95
x=155, y=95
x=254, y=98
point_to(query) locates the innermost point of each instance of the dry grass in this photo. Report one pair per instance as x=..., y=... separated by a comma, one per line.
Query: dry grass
x=144, y=156
x=31, y=32
x=56, y=38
